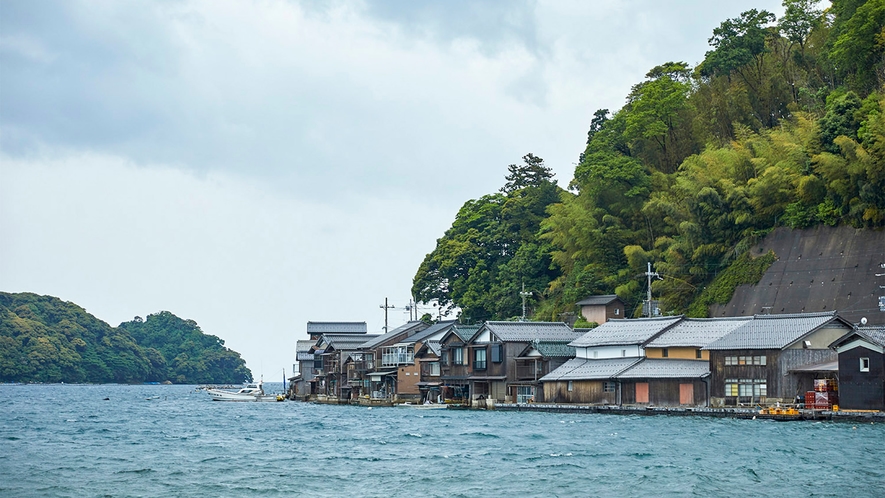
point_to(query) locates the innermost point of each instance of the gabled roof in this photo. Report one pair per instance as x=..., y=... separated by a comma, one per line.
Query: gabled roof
x=303, y=346
x=403, y=331
x=555, y=349
x=529, y=331
x=775, y=331
x=696, y=332
x=465, y=332
x=874, y=335
x=598, y=300
x=622, y=332
x=341, y=342
x=433, y=346
x=436, y=328
x=584, y=369
x=660, y=368
x=336, y=328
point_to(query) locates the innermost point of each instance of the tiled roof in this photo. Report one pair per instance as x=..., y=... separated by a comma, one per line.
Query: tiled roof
x=696, y=332
x=875, y=334
x=433, y=346
x=528, y=331
x=465, y=331
x=402, y=331
x=659, y=368
x=584, y=369
x=625, y=331
x=345, y=341
x=430, y=331
x=598, y=300
x=336, y=327
x=773, y=331
x=555, y=349
x=303, y=346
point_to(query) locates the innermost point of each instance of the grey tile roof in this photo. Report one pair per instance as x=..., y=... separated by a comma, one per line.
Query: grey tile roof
x=528, y=331
x=555, y=349
x=465, y=331
x=584, y=369
x=430, y=331
x=875, y=334
x=434, y=347
x=344, y=341
x=696, y=332
x=597, y=300
x=773, y=331
x=303, y=346
x=625, y=331
x=403, y=331
x=659, y=368
x=336, y=328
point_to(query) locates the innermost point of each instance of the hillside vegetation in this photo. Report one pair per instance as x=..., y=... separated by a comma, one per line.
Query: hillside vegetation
x=44, y=339
x=782, y=124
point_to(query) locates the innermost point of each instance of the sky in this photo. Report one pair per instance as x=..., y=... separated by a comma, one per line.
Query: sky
x=254, y=165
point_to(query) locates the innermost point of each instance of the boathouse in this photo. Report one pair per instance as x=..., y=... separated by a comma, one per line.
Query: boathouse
x=772, y=358
x=861, y=367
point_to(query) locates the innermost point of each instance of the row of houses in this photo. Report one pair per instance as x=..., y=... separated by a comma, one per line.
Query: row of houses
x=666, y=361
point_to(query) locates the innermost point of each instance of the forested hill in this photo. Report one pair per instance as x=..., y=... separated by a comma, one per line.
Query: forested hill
x=781, y=125
x=45, y=339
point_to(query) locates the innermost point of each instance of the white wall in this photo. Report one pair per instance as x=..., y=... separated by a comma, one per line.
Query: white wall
x=603, y=352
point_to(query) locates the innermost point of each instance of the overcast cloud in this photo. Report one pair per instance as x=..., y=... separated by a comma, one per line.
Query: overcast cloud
x=253, y=165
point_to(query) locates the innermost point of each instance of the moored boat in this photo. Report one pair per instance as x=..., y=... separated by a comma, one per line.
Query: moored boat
x=251, y=392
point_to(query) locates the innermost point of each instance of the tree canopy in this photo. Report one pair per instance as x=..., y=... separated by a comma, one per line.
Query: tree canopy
x=782, y=124
x=44, y=339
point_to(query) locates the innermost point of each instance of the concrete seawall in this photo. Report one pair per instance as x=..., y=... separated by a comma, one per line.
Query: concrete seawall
x=746, y=413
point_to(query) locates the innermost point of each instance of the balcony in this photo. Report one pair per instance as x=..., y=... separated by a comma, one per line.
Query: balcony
x=391, y=357
x=530, y=369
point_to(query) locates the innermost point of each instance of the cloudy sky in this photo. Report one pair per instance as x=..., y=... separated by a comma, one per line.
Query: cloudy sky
x=253, y=165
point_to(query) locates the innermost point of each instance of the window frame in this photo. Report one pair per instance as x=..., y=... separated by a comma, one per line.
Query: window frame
x=864, y=364
x=483, y=363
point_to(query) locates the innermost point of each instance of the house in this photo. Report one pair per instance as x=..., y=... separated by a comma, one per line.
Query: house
x=373, y=370
x=538, y=359
x=454, y=367
x=601, y=354
x=333, y=352
x=420, y=380
x=773, y=358
x=308, y=363
x=600, y=309
x=676, y=369
x=861, y=367
x=493, y=354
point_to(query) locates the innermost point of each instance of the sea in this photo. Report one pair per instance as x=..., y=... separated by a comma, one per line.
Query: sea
x=173, y=441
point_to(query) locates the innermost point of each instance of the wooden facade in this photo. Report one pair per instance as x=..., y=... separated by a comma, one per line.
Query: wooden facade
x=582, y=391
x=664, y=392
x=862, y=369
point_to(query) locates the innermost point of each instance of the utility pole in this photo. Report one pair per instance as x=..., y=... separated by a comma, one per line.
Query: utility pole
x=386, y=307
x=648, y=275
x=524, y=295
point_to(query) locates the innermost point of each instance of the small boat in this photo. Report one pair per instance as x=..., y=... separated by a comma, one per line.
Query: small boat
x=251, y=392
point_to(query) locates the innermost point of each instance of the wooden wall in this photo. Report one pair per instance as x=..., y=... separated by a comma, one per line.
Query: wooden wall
x=861, y=390
x=583, y=391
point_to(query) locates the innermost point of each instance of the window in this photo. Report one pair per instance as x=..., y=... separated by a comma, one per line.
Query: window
x=730, y=361
x=596, y=354
x=608, y=387
x=497, y=353
x=746, y=387
x=698, y=354
x=864, y=364
x=457, y=356
x=479, y=359
x=617, y=311
x=731, y=387
x=571, y=385
x=665, y=353
x=743, y=360
x=525, y=394
x=434, y=368
x=623, y=352
x=444, y=357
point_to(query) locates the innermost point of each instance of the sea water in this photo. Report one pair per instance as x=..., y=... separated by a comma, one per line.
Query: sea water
x=118, y=440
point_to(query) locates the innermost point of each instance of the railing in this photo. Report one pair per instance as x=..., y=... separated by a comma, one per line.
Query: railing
x=529, y=369
x=397, y=358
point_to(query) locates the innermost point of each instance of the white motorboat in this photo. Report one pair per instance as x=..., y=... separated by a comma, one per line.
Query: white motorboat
x=251, y=392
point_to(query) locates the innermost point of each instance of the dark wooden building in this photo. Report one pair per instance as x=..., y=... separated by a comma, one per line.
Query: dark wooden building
x=761, y=361
x=862, y=369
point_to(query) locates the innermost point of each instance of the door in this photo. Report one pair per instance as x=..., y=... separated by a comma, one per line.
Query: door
x=642, y=392
x=686, y=394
